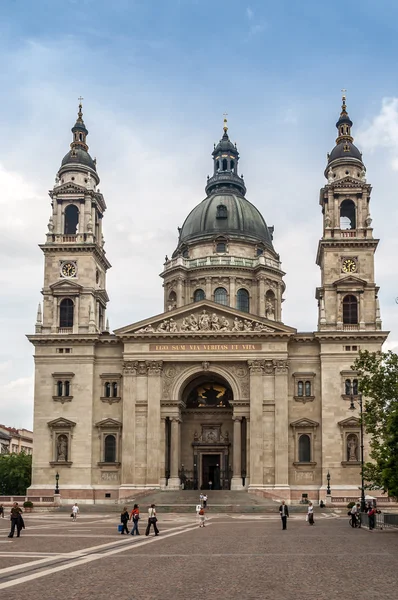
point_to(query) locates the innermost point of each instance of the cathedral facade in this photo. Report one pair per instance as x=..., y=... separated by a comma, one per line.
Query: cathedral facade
x=215, y=392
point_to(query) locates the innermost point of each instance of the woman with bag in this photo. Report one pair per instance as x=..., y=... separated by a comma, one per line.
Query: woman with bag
x=124, y=517
x=135, y=517
x=152, y=520
x=310, y=514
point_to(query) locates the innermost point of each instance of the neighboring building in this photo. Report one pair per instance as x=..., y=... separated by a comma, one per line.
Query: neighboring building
x=19, y=440
x=217, y=388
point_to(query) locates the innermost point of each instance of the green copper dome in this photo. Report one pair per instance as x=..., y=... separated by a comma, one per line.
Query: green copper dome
x=225, y=213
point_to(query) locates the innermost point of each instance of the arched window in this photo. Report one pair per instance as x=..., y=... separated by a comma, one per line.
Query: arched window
x=110, y=449
x=232, y=165
x=59, y=388
x=350, y=310
x=308, y=388
x=198, y=295
x=217, y=165
x=355, y=387
x=66, y=313
x=66, y=388
x=347, y=387
x=107, y=389
x=242, y=300
x=114, y=389
x=172, y=303
x=221, y=296
x=347, y=215
x=71, y=219
x=300, y=389
x=304, y=448
x=224, y=164
x=221, y=247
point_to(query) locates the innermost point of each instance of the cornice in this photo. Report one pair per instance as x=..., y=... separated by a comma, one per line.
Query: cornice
x=75, y=247
x=358, y=335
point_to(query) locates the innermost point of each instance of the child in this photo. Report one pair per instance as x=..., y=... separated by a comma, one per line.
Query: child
x=202, y=517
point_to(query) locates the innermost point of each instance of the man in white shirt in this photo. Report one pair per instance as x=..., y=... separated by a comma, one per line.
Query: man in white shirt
x=354, y=512
x=75, y=510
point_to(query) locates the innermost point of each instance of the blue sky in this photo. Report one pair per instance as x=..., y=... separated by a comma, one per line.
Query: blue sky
x=156, y=78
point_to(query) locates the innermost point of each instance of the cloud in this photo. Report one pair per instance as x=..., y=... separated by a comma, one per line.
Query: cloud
x=382, y=131
x=256, y=26
x=249, y=13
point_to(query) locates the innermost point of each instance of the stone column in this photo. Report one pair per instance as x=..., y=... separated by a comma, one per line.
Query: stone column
x=128, y=432
x=153, y=437
x=54, y=327
x=76, y=320
x=162, y=453
x=174, y=481
x=180, y=299
x=261, y=296
x=281, y=425
x=248, y=454
x=256, y=423
x=208, y=288
x=236, y=483
x=232, y=292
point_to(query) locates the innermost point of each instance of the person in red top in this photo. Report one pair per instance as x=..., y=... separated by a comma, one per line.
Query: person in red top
x=135, y=517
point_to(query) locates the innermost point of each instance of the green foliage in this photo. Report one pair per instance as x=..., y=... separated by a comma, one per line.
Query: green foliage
x=15, y=474
x=378, y=373
x=350, y=504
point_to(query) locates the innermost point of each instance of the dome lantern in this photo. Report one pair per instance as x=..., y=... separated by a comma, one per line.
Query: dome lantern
x=225, y=165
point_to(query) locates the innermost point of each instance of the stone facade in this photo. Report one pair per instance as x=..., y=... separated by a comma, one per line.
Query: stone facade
x=216, y=391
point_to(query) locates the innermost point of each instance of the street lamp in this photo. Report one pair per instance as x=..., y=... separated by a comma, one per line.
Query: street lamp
x=352, y=407
x=328, y=490
x=56, y=491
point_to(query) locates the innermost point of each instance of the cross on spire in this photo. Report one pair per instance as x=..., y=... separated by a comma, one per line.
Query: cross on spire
x=225, y=115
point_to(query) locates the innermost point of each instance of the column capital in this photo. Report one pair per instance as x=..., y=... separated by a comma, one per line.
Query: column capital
x=281, y=367
x=129, y=368
x=154, y=367
x=175, y=419
x=236, y=418
x=256, y=365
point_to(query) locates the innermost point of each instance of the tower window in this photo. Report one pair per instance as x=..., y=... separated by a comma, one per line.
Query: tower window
x=107, y=389
x=66, y=313
x=222, y=212
x=110, y=449
x=347, y=215
x=221, y=247
x=198, y=295
x=232, y=163
x=71, y=219
x=350, y=310
x=243, y=300
x=308, y=388
x=221, y=296
x=300, y=389
x=304, y=448
x=224, y=164
x=217, y=165
x=172, y=303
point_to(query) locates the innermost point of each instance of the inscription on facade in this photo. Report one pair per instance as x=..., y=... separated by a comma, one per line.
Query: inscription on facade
x=203, y=347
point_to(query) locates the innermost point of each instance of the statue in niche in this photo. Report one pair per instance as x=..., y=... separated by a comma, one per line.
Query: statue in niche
x=62, y=448
x=327, y=220
x=330, y=175
x=90, y=225
x=352, y=447
x=269, y=309
x=50, y=225
x=363, y=175
x=204, y=321
x=368, y=221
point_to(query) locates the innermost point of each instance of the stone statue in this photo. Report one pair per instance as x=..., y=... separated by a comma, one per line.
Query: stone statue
x=247, y=325
x=90, y=225
x=368, y=221
x=195, y=436
x=204, y=321
x=173, y=326
x=102, y=240
x=193, y=324
x=215, y=322
x=363, y=175
x=269, y=310
x=62, y=448
x=147, y=329
x=238, y=325
x=224, y=324
x=330, y=175
x=327, y=220
x=50, y=225
x=352, y=448
x=185, y=324
x=56, y=180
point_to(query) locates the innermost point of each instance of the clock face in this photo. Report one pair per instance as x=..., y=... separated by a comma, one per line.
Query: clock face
x=68, y=269
x=349, y=265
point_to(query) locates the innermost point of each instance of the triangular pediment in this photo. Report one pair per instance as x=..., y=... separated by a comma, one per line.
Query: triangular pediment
x=109, y=424
x=66, y=286
x=349, y=182
x=304, y=423
x=61, y=423
x=350, y=422
x=70, y=187
x=350, y=281
x=205, y=318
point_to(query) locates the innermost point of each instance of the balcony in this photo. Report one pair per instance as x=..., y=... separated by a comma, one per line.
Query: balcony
x=230, y=261
x=65, y=329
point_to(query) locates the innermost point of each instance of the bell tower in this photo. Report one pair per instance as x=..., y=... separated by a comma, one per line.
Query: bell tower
x=74, y=291
x=347, y=298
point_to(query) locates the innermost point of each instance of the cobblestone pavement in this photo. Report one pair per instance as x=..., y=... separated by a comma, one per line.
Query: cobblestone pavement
x=233, y=557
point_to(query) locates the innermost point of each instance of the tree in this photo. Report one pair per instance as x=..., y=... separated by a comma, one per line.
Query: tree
x=15, y=474
x=378, y=375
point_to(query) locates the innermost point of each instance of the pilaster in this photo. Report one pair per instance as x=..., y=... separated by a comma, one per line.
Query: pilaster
x=256, y=422
x=281, y=424
x=153, y=436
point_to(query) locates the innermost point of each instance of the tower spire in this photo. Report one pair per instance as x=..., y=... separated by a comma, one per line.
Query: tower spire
x=79, y=130
x=344, y=123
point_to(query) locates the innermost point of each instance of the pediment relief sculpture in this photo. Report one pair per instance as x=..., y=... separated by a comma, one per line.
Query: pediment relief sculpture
x=205, y=321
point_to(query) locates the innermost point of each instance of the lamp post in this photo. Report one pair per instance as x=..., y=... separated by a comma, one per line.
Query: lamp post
x=328, y=490
x=352, y=407
x=56, y=491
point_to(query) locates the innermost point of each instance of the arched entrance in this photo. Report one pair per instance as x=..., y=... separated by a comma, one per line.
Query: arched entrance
x=206, y=433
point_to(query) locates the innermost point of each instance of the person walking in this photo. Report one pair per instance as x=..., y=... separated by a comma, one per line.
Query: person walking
x=310, y=513
x=201, y=498
x=354, y=515
x=124, y=517
x=75, y=510
x=16, y=520
x=284, y=513
x=210, y=485
x=152, y=520
x=205, y=501
x=372, y=517
x=202, y=517
x=135, y=517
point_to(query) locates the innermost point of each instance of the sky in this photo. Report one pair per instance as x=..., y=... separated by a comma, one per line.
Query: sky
x=156, y=78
